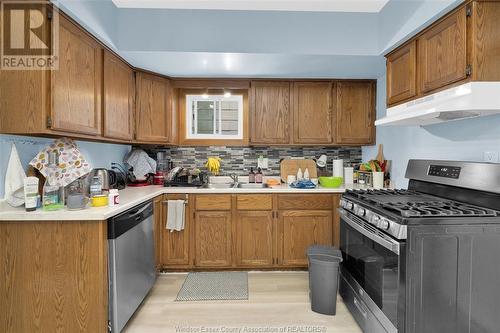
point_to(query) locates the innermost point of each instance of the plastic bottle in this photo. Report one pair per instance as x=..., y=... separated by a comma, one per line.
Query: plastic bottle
x=53, y=194
x=251, y=176
x=258, y=176
x=95, y=186
x=30, y=193
x=113, y=198
x=306, y=174
x=300, y=176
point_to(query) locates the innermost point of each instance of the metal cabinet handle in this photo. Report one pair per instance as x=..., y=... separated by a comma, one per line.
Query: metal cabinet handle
x=360, y=307
x=166, y=202
x=386, y=242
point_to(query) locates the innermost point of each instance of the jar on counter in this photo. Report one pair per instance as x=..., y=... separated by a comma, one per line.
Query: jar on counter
x=113, y=198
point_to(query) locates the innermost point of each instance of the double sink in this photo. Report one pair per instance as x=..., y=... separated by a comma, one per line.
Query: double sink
x=236, y=185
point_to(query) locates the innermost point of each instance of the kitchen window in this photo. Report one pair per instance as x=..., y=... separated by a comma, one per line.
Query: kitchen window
x=214, y=116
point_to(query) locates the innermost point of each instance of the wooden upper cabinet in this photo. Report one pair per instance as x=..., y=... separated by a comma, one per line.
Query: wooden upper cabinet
x=212, y=238
x=402, y=73
x=301, y=229
x=77, y=83
x=442, y=52
x=153, y=105
x=312, y=112
x=355, y=112
x=270, y=112
x=486, y=40
x=119, y=95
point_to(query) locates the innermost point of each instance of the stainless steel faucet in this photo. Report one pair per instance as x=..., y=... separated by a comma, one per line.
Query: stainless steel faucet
x=234, y=177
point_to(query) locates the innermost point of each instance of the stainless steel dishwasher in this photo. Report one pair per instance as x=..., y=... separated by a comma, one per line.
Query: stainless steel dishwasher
x=130, y=262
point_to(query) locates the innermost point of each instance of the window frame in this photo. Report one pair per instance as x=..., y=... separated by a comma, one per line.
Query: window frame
x=190, y=98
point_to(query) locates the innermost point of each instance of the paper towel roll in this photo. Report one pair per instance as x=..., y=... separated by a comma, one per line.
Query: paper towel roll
x=338, y=168
x=349, y=175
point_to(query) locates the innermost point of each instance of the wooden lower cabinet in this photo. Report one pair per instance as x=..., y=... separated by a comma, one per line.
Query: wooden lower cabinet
x=212, y=239
x=246, y=230
x=175, y=245
x=157, y=229
x=54, y=276
x=254, y=238
x=301, y=229
x=336, y=221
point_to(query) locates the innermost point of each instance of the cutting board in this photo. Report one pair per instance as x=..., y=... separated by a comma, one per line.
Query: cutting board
x=291, y=166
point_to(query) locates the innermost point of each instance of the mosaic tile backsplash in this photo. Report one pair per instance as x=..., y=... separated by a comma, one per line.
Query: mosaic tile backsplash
x=239, y=160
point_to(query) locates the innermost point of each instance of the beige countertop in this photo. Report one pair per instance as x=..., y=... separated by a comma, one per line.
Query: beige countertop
x=132, y=196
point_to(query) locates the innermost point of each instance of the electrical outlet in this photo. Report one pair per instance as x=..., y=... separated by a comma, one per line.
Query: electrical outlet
x=263, y=163
x=490, y=156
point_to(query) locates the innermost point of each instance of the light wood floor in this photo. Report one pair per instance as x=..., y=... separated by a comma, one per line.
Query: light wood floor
x=276, y=300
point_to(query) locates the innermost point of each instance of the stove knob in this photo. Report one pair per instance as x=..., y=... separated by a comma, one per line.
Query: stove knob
x=348, y=205
x=375, y=219
x=384, y=224
x=361, y=211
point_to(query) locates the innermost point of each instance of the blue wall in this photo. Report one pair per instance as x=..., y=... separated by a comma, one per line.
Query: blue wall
x=98, y=154
x=457, y=140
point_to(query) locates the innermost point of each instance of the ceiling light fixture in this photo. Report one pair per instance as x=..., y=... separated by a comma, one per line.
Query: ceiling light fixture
x=204, y=96
x=227, y=94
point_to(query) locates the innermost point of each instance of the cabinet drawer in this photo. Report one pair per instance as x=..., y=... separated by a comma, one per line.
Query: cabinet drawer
x=305, y=201
x=213, y=202
x=254, y=202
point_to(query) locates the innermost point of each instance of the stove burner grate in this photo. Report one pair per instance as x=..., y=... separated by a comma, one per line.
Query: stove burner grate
x=407, y=203
x=437, y=208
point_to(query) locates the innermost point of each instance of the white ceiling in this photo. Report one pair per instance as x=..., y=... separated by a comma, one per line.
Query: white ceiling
x=356, y=6
x=310, y=41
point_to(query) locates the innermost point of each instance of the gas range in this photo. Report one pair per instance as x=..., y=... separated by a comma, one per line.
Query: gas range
x=407, y=253
x=390, y=210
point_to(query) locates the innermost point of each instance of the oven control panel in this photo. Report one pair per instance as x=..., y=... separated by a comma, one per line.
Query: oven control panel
x=444, y=171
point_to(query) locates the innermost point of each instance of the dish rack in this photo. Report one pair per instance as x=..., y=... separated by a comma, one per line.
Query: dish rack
x=184, y=181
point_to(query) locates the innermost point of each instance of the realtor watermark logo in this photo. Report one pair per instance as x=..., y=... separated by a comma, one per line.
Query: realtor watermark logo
x=29, y=35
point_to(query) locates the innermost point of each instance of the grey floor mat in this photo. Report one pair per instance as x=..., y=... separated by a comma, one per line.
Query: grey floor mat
x=206, y=286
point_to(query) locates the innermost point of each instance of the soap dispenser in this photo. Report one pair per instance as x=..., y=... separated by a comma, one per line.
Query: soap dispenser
x=300, y=175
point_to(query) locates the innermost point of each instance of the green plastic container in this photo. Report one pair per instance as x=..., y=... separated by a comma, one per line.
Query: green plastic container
x=330, y=182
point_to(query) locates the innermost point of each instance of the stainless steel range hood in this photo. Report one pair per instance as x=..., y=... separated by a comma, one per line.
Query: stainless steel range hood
x=470, y=100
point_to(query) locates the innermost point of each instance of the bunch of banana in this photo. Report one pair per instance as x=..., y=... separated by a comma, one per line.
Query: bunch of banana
x=213, y=165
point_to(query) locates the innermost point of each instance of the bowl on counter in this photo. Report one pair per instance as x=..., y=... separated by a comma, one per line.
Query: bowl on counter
x=331, y=182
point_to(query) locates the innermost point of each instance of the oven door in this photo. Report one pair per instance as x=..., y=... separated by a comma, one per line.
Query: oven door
x=375, y=262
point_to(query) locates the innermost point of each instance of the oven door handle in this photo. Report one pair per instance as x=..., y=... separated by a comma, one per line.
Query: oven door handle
x=388, y=243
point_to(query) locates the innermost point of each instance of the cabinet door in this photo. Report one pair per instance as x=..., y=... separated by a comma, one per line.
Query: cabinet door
x=176, y=244
x=158, y=223
x=402, y=74
x=442, y=52
x=152, y=119
x=355, y=112
x=254, y=238
x=77, y=84
x=119, y=92
x=213, y=239
x=270, y=112
x=312, y=112
x=301, y=229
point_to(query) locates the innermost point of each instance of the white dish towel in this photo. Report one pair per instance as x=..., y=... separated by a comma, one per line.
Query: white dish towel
x=175, y=215
x=14, y=180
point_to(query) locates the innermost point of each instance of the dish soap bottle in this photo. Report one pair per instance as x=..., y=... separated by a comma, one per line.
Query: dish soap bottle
x=300, y=176
x=258, y=176
x=251, y=176
x=53, y=193
x=306, y=174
